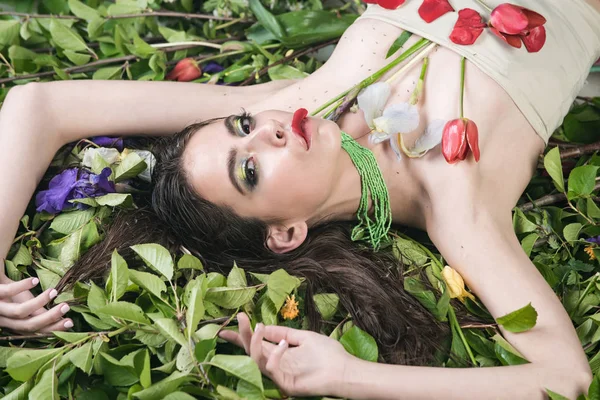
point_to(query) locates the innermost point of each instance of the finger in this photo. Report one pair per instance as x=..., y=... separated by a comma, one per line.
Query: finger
x=61, y=325
x=11, y=289
x=233, y=337
x=36, y=323
x=23, y=310
x=294, y=337
x=272, y=366
x=256, y=351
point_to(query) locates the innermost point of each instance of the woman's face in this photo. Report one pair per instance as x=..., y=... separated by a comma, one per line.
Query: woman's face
x=260, y=168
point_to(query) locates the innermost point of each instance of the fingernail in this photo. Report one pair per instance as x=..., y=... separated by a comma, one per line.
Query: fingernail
x=282, y=343
x=68, y=324
x=65, y=309
x=53, y=293
x=259, y=325
x=35, y=281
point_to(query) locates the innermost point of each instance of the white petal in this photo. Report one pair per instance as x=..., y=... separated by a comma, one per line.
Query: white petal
x=372, y=100
x=109, y=155
x=431, y=137
x=378, y=137
x=396, y=146
x=150, y=160
x=398, y=118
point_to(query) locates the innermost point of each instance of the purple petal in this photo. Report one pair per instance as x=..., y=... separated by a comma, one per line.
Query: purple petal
x=211, y=67
x=55, y=198
x=106, y=141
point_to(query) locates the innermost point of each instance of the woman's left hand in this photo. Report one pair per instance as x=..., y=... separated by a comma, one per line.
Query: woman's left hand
x=314, y=365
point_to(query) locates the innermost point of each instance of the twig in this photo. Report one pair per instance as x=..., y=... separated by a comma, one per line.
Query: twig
x=479, y=326
x=580, y=150
x=145, y=14
x=553, y=142
x=547, y=200
x=285, y=59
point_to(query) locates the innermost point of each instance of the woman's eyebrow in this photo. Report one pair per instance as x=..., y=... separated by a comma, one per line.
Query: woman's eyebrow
x=230, y=169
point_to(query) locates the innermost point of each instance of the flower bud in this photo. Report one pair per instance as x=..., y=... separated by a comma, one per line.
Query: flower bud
x=458, y=136
x=186, y=70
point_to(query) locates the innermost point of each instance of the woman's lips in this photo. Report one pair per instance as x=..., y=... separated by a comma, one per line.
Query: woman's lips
x=299, y=126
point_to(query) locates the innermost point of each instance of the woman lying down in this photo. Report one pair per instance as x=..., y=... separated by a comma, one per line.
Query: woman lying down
x=273, y=187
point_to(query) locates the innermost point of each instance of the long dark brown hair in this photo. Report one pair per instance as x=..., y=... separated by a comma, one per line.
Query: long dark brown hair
x=369, y=284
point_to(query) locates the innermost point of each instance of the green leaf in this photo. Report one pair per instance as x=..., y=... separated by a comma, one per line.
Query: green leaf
x=521, y=223
x=115, y=199
x=398, y=43
x=161, y=389
x=81, y=357
x=179, y=395
x=9, y=32
x=410, y=251
x=23, y=256
x=327, y=304
x=203, y=348
x=6, y=353
x=117, y=373
x=21, y=392
x=520, y=320
x=360, y=344
x=553, y=166
x=285, y=72
x=130, y=167
x=95, y=27
x=555, y=396
x=185, y=359
x=77, y=58
x=230, y=297
x=236, y=277
x=242, y=367
x=46, y=388
x=268, y=312
x=594, y=389
x=123, y=9
x=83, y=11
x=189, y=262
x=169, y=329
x=145, y=373
x=571, y=231
x=592, y=209
x=156, y=257
x=124, y=310
x=506, y=353
x=26, y=363
x=70, y=337
x=108, y=73
x=119, y=276
x=528, y=242
x=195, y=310
x=67, y=38
x=267, y=19
x=150, y=282
x=582, y=180
x=280, y=285
x=68, y=222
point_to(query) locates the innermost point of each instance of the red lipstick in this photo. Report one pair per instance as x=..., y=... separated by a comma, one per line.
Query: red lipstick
x=298, y=121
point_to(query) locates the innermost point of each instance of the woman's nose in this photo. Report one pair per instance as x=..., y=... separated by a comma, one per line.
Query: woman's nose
x=271, y=134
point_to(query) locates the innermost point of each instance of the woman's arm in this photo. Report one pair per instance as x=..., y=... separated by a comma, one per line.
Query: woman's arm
x=83, y=108
x=486, y=252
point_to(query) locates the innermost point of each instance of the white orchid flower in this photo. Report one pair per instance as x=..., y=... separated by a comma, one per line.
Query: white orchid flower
x=427, y=141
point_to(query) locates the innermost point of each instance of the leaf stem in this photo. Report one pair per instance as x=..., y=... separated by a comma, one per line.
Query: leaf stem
x=367, y=81
x=462, y=86
x=585, y=292
x=460, y=333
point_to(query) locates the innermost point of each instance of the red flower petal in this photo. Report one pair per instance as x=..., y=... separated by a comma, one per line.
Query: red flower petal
x=390, y=4
x=431, y=10
x=473, y=138
x=534, y=19
x=186, y=70
x=454, y=143
x=534, y=41
x=514, y=41
x=468, y=27
x=509, y=18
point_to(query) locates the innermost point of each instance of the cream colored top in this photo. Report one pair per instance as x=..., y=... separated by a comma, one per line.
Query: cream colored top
x=543, y=85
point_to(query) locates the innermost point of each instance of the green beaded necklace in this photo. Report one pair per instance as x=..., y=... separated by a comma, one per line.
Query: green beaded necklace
x=371, y=180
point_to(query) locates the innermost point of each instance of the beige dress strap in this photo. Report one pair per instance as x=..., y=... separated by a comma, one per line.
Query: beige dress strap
x=543, y=85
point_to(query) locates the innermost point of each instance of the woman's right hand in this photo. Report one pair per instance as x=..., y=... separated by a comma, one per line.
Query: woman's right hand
x=21, y=312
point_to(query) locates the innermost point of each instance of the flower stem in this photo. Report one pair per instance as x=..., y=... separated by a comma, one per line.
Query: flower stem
x=484, y=5
x=462, y=85
x=367, y=81
x=412, y=62
x=460, y=333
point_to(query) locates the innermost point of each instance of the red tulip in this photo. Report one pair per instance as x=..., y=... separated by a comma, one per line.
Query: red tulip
x=468, y=27
x=514, y=24
x=186, y=70
x=459, y=135
x=431, y=10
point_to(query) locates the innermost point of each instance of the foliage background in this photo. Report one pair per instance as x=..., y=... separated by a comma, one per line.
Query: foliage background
x=148, y=332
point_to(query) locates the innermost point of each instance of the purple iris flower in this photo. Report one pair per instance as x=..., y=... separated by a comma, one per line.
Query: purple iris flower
x=67, y=185
x=106, y=141
x=593, y=240
x=211, y=67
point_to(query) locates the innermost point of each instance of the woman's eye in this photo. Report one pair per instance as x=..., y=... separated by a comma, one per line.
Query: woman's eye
x=243, y=124
x=250, y=172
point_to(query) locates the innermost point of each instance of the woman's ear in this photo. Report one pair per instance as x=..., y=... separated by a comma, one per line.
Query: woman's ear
x=284, y=238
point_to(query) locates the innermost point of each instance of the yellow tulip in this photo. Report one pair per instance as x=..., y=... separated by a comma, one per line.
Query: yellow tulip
x=455, y=284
